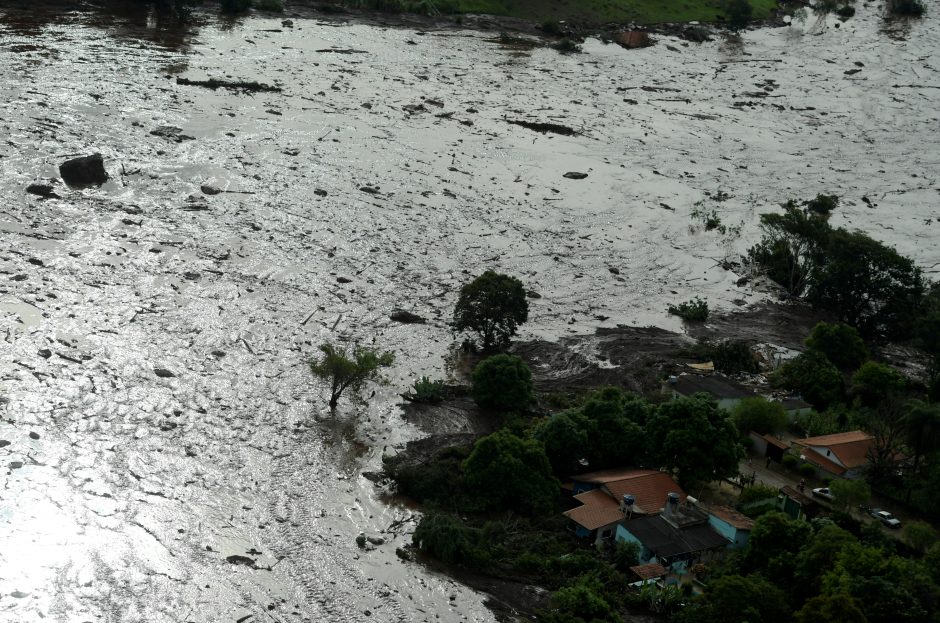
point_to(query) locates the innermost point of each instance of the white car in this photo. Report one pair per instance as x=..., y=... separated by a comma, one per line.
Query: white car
x=823, y=493
x=886, y=518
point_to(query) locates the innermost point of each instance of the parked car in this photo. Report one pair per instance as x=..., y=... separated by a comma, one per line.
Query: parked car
x=886, y=518
x=824, y=493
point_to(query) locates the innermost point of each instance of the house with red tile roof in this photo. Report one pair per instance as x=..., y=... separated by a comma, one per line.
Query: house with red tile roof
x=842, y=455
x=611, y=496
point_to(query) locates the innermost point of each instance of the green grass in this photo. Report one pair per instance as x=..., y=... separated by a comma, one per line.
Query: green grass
x=604, y=11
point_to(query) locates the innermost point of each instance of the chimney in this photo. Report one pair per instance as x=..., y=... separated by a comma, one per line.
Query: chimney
x=672, y=505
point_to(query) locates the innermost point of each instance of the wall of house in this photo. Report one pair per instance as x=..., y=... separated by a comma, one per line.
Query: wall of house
x=736, y=538
x=624, y=535
x=728, y=403
x=606, y=533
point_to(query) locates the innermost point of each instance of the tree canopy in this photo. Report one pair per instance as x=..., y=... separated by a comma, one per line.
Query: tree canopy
x=342, y=370
x=814, y=377
x=759, y=415
x=694, y=437
x=504, y=383
x=840, y=343
x=493, y=306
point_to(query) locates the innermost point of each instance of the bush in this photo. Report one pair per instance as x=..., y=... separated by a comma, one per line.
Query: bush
x=739, y=13
x=567, y=46
x=426, y=390
x=807, y=470
x=729, y=356
x=757, y=493
x=823, y=204
x=759, y=415
x=790, y=461
x=813, y=376
x=504, y=383
x=342, y=369
x=235, y=6
x=275, y=6
x=910, y=8
x=695, y=310
x=846, y=11
x=840, y=343
x=874, y=382
x=493, y=306
x=551, y=27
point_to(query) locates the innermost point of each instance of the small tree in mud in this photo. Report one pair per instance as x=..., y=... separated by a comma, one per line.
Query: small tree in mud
x=493, y=306
x=341, y=369
x=739, y=13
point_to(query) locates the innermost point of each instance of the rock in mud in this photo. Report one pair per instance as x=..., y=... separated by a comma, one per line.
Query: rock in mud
x=375, y=540
x=46, y=191
x=163, y=373
x=33, y=435
x=406, y=317
x=84, y=171
x=575, y=175
x=238, y=559
x=209, y=189
x=4, y=443
x=633, y=39
x=171, y=133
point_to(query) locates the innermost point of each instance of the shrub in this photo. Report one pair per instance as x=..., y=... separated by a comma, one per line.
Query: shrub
x=790, y=461
x=874, y=382
x=695, y=310
x=275, y=6
x=551, y=27
x=426, y=390
x=823, y=204
x=757, y=493
x=840, y=343
x=910, y=8
x=813, y=376
x=759, y=415
x=342, y=369
x=235, y=6
x=846, y=11
x=729, y=356
x=807, y=470
x=567, y=46
x=504, y=383
x=493, y=306
x=739, y=13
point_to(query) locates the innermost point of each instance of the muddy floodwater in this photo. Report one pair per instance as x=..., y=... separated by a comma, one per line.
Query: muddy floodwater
x=166, y=456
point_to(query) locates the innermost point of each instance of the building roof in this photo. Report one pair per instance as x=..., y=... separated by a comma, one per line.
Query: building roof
x=811, y=456
x=794, y=494
x=594, y=516
x=649, y=571
x=665, y=541
x=775, y=442
x=649, y=487
x=732, y=517
x=851, y=448
x=716, y=385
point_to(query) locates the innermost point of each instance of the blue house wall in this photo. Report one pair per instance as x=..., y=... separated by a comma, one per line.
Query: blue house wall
x=737, y=537
x=624, y=535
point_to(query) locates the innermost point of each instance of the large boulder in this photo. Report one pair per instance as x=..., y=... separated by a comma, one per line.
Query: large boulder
x=84, y=171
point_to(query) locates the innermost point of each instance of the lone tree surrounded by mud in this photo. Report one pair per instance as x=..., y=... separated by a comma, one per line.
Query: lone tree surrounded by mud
x=341, y=369
x=492, y=306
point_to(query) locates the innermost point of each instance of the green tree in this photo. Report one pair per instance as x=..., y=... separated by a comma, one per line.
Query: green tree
x=745, y=599
x=791, y=247
x=867, y=285
x=444, y=537
x=875, y=382
x=493, y=306
x=504, y=383
x=775, y=537
x=508, y=472
x=739, y=13
x=838, y=607
x=342, y=370
x=817, y=556
x=922, y=430
x=759, y=415
x=696, y=438
x=613, y=420
x=582, y=602
x=920, y=535
x=814, y=377
x=848, y=494
x=625, y=554
x=815, y=423
x=565, y=437
x=840, y=343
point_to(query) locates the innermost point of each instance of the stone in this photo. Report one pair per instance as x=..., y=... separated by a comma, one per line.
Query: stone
x=34, y=435
x=46, y=191
x=163, y=373
x=405, y=317
x=375, y=540
x=209, y=190
x=84, y=171
x=4, y=443
x=575, y=175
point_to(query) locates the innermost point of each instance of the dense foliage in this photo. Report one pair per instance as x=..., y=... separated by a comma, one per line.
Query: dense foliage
x=503, y=383
x=840, y=343
x=695, y=310
x=759, y=415
x=813, y=377
x=342, y=369
x=492, y=306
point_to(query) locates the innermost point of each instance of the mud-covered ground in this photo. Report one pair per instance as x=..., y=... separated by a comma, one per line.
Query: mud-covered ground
x=384, y=175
